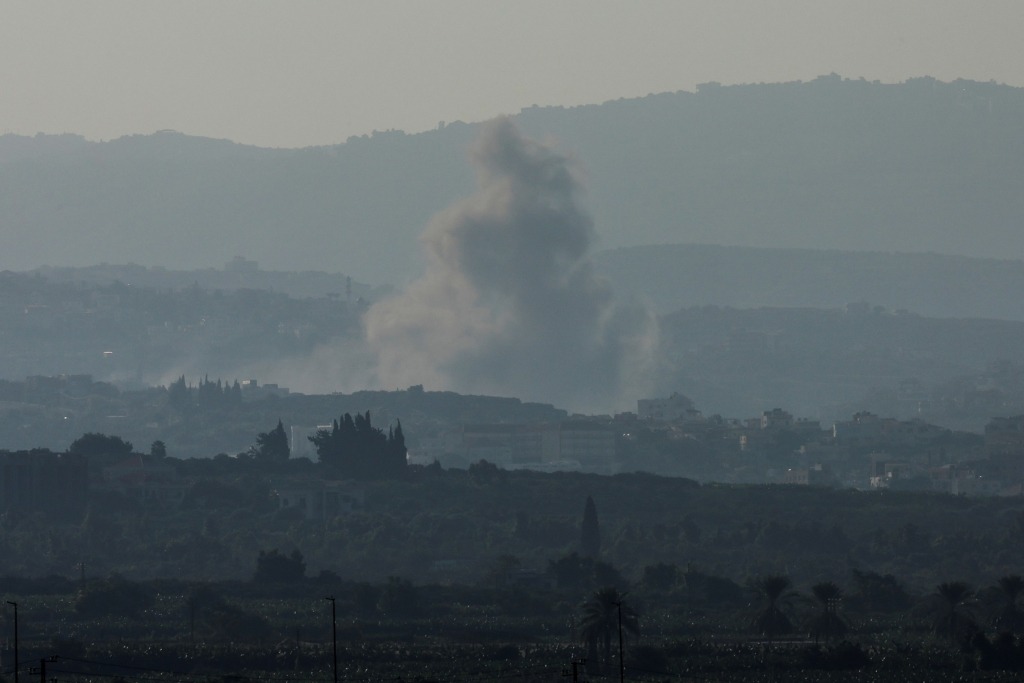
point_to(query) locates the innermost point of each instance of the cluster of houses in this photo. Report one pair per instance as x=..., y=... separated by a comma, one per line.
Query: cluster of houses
x=865, y=452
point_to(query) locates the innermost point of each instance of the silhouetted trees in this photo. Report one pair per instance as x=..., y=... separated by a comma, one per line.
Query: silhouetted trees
x=275, y=567
x=712, y=590
x=827, y=624
x=1010, y=618
x=952, y=619
x=661, y=577
x=600, y=620
x=355, y=449
x=178, y=394
x=94, y=444
x=206, y=395
x=880, y=592
x=272, y=446
x=772, y=620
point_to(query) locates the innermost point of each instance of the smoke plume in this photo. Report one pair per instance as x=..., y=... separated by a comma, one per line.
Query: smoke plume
x=508, y=303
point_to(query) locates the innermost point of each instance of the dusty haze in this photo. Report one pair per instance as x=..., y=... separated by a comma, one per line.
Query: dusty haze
x=509, y=303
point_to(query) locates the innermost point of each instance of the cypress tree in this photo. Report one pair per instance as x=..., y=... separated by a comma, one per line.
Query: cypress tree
x=273, y=445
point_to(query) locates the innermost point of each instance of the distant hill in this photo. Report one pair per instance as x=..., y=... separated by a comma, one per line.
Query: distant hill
x=922, y=166
x=672, y=277
x=737, y=361
x=828, y=363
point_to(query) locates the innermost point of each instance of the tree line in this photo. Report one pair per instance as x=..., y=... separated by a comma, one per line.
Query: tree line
x=354, y=448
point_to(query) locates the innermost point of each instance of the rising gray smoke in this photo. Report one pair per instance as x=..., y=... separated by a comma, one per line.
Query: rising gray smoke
x=509, y=304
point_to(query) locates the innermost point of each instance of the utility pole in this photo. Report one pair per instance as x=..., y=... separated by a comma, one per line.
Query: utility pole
x=42, y=667
x=622, y=664
x=334, y=634
x=576, y=664
x=15, y=606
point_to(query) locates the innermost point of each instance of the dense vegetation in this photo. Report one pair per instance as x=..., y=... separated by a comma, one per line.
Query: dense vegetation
x=676, y=622
x=485, y=573
x=451, y=525
x=354, y=449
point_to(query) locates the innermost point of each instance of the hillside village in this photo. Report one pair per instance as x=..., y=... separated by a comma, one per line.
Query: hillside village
x=665, y=436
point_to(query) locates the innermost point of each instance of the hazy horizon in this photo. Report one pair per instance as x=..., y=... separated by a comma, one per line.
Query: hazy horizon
x=317, y=73
x=480, y=121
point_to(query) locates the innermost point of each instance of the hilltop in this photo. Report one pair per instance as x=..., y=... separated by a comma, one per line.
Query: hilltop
x=669, y=277
x=921, y=166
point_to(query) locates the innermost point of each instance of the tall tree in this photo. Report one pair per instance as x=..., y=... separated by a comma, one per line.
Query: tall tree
x=355, y=449
x=590, y=531
x=953, y=620
x=93, y=444
x=272, y=446
x=178, y=394
x=772, y=620
x=600, y=620
x=234, y=394
x=1010, y=618
x=827, y=624
x=275, y=567
x=883, y=593
x=397, y=453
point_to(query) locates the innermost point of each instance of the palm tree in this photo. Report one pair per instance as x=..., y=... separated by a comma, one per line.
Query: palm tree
x=828, y=622
x=773, y=621
x=601, y=618
x=952, y=619
x=1010, y=618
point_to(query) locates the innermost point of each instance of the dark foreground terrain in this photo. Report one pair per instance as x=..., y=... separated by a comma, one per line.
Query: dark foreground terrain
x=483, y=574
x=395, y=630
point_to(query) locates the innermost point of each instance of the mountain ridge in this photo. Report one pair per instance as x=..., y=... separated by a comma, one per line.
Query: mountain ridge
x=921, y=166
x=670, y=277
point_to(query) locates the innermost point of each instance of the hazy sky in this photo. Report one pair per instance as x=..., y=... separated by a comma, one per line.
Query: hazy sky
x=301, y=73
